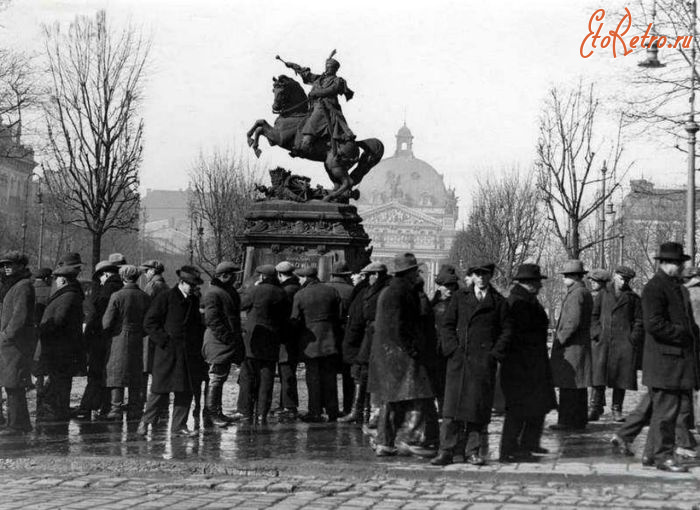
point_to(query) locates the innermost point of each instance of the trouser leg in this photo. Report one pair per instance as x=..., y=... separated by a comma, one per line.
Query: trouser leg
x=348, y=387
x=636, y=420
x=452, y=436
x=475, y=432
x=116, y=402
x=391, y=417
x=313, y=385
x=597, y=400
x=618, y=398
x=218, y=374
x=684, y=422
x=17, y=410
x=57, y=398
x=267, y=381
x=153, y=407
x=664, y=413
x=246, y=388
x=289, y=393
x=181, y=408
x=510, y=437
x=573, y=407
x=329, y=387
x=532, y=432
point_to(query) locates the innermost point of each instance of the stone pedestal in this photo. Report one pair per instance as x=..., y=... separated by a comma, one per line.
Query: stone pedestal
x=313, y=233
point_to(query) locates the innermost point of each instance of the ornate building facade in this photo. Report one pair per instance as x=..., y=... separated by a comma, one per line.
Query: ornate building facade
x=405, y=206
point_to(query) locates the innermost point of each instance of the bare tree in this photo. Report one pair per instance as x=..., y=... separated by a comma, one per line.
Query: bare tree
x=567, y=166
x=18, y=94
x=94, y=129
x=223, y=185
x=503, y=224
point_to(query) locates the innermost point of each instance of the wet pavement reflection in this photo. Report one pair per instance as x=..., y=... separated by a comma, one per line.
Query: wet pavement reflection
x=326, y=442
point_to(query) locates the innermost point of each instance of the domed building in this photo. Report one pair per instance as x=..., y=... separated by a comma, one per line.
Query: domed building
x=405, y=206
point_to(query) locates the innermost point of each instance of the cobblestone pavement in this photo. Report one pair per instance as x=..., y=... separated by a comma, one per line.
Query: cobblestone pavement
x=106, y=465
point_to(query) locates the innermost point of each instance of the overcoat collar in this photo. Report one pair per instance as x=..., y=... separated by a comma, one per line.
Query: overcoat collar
x=474, y=306
x=576, y=285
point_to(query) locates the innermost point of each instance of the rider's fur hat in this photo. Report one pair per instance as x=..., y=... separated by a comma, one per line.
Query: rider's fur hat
x=331, y=60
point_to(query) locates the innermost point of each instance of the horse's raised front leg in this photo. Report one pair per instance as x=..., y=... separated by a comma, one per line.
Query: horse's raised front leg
x=260, y=127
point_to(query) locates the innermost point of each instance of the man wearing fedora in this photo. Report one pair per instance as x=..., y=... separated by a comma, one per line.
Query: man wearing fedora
x=398, y=377
x=96, y=398
x=341, y=282
x=289, y=355
x=267, y=315
x=316, y=313
x=448, y=283
x=476, y=331
x=670, y=363
x=598, y=280
x=526, y=376
x=17, y=339
x=571, y=350
x=223, y=340
x=617, y=334
x=174, y=325
x=61, y=336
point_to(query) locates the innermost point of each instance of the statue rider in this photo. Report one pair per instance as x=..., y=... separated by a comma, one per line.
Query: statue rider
x=325, y=116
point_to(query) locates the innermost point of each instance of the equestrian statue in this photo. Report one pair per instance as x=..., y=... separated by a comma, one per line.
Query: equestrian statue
x=313, y=127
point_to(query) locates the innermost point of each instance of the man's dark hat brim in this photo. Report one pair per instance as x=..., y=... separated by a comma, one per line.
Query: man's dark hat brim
x=190, y=278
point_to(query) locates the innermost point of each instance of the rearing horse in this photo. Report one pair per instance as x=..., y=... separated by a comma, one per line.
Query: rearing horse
x=292, y=106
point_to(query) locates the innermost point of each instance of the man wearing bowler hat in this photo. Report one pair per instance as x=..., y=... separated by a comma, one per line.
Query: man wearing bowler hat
x=289, y=355
x=223, y=341
x=571, y=350
x=17, y=339
x=316, y=314
x=398, y=376
x=526, y=376
x=174, y=326
x=670, y=364
x=476, y=331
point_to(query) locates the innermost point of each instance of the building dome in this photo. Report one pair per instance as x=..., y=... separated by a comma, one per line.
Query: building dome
x=404, y=178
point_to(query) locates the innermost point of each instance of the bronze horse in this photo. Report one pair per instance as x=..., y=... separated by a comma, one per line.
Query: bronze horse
x=292, y=106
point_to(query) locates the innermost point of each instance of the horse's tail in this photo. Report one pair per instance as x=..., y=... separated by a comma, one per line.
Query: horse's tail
x=372, y=152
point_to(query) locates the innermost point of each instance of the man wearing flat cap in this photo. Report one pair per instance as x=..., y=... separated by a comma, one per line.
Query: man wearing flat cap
x=316, y=313
x=96, y=398
x=670, y=362
x=398, y=376
x=61, y=336
x=267, y=315
x=617, y=333
x=526, y=376
x=223, y=340
x=598, y=279
x=359, y=332
x=289, y=352
x=476, y=331
x=174, y=325
x=17, y=339
x=155, y=282
x=341, y=282
x=571, y=350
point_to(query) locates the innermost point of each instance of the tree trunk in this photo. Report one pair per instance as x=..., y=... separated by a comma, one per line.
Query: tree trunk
x=96, y=248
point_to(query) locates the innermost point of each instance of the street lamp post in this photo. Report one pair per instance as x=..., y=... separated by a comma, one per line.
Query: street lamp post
x=25, y=218
x=691, y=128
x=603, y=171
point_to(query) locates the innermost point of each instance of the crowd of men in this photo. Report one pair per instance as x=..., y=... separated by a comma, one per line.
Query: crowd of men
x=420, y=370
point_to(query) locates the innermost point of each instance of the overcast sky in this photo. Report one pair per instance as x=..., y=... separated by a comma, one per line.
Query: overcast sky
x=469, y=77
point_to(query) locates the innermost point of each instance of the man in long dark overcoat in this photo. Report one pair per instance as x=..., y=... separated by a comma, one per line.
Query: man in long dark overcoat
x=617, y=333
x=598, y=280
x=476, y=330
x=267, y=310
x=316, y=313
x=670, y=366
x=526, y=376
x=289, y=352
x=397, y=375
x=223, y=340
x=96, y=397
x=341, y=282
x=61, y=336
x=17, y=339
x=174, y=326
x=571, y=350
x=123, y=323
